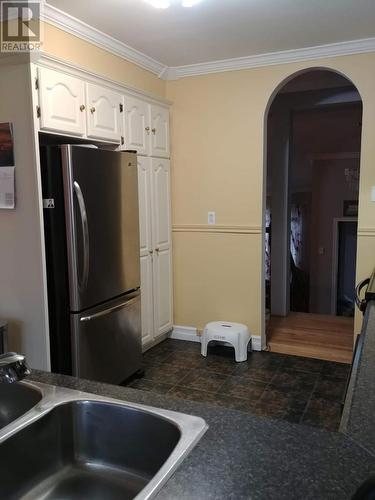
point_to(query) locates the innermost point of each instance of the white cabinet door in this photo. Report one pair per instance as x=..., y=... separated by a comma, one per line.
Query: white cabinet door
x=146, y=250
x=147, y=307
x=62, y=102
x=103, y=113
x=160, y=131
x=137, y=128
x=161, y=235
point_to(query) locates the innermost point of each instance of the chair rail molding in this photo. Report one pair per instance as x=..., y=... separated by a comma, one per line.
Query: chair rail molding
x=207, y=228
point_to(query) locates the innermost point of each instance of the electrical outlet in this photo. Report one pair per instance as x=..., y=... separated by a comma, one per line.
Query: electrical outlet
x=211, y=218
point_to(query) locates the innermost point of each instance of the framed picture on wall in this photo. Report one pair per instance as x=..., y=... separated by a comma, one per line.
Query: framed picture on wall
x=350, y=208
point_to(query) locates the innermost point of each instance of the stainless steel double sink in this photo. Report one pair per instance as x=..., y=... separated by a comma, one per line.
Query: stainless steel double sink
x=58, y=443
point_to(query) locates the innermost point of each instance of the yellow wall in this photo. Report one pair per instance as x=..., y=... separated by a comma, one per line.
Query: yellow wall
x=218, y=164
x=84, y=54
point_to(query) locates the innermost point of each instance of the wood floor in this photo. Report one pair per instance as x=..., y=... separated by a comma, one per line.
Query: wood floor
x=313, y=336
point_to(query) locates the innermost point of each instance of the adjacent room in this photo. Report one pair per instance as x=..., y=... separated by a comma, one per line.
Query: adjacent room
x=313, y=169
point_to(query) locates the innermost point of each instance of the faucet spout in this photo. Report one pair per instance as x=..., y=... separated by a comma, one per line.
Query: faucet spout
x=13, y=367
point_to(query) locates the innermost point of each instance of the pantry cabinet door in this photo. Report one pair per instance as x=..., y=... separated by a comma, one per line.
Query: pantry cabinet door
x=161, y=234
x=146, y=249
x=61, y=102
x=137, y=128
x=103, y=113
x=160, y=131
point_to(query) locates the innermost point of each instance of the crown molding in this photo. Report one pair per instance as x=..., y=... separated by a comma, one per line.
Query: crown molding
x=272, y=58
x=72, y=25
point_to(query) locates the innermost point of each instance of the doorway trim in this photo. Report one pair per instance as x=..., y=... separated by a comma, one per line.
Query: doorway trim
x=335, y=255
x=276, y=89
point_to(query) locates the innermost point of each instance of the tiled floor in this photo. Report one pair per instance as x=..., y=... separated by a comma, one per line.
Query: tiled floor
x=292, y=388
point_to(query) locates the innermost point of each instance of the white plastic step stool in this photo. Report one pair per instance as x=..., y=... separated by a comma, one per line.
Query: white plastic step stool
x=235, y=334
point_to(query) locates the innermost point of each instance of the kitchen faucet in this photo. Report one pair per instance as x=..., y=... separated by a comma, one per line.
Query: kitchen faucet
x=13, y=367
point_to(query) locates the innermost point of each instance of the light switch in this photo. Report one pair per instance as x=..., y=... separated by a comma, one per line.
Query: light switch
x=212, y=217
x=373, y=193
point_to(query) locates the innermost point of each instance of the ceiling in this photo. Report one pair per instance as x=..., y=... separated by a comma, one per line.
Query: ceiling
x=224, y=29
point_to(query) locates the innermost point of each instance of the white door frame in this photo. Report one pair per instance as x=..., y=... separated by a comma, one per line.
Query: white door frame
x=335, y=255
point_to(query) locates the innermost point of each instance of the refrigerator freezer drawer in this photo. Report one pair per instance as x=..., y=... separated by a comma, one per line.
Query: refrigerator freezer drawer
x=106, y=340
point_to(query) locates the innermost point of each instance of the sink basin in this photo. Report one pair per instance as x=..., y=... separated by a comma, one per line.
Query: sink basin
x=94, y=449
x=15, y=400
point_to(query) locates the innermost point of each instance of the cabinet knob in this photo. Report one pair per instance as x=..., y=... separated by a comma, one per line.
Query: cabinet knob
x=82, y=107
x=153, y=131
x=157, y=249
x=150, y=252
x=92, y=110
x=147, y=129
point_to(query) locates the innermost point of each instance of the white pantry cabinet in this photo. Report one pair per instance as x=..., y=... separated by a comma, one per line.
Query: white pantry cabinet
x=103, y=113
x=137, y=125
x=159, y=131
x=61, y=102
x=155, y=243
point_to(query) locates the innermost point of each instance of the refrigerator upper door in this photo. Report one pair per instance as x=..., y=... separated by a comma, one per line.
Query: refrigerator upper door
x=102, y=227
x=106, y=340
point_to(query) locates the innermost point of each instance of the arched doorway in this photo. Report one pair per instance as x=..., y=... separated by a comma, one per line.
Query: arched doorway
x=313, y=153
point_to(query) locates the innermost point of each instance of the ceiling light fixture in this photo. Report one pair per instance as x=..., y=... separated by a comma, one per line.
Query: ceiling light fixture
x=164, y=4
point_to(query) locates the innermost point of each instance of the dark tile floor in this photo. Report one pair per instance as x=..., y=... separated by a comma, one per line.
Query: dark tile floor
x=300, y=390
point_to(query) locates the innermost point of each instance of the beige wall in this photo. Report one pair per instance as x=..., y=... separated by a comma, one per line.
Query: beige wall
x=84, y=54
x=218, y=164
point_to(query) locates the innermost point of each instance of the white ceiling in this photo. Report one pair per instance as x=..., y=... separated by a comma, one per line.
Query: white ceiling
x=225, y=29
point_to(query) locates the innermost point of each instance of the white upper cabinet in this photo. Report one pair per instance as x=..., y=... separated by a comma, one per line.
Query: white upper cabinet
x=70, y=105
x=160, y=131
x=61, y=102
x=103, y=113
x=137, y=128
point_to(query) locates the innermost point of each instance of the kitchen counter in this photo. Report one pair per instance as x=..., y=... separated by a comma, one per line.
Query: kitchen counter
x=250, y=457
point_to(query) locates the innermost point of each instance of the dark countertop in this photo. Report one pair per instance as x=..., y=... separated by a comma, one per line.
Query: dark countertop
x=250, y=457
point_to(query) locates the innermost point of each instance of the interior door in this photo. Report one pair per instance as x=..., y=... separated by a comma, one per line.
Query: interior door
x=62, y=99
x=103, y=113
x=137, y=128
x=160, y=131
x=101, y=208
x=146, y=248
x=162, y=268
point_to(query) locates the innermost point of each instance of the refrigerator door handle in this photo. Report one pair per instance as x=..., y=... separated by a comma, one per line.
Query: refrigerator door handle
x=110, y=309
x=85, y=232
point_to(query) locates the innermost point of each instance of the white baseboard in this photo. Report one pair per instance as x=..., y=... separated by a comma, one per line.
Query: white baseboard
x=188, y=333
x=256, y=343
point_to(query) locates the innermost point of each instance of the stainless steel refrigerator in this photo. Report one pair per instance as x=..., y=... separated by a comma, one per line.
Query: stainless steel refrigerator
x=90, y=199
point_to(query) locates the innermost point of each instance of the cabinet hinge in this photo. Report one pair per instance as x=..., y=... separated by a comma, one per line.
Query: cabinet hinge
x=38, y=111
x=122, y=140
x=121, y=108
x=36, y=83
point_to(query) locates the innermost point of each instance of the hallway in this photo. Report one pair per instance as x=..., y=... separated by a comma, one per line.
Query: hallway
x=312, y=335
